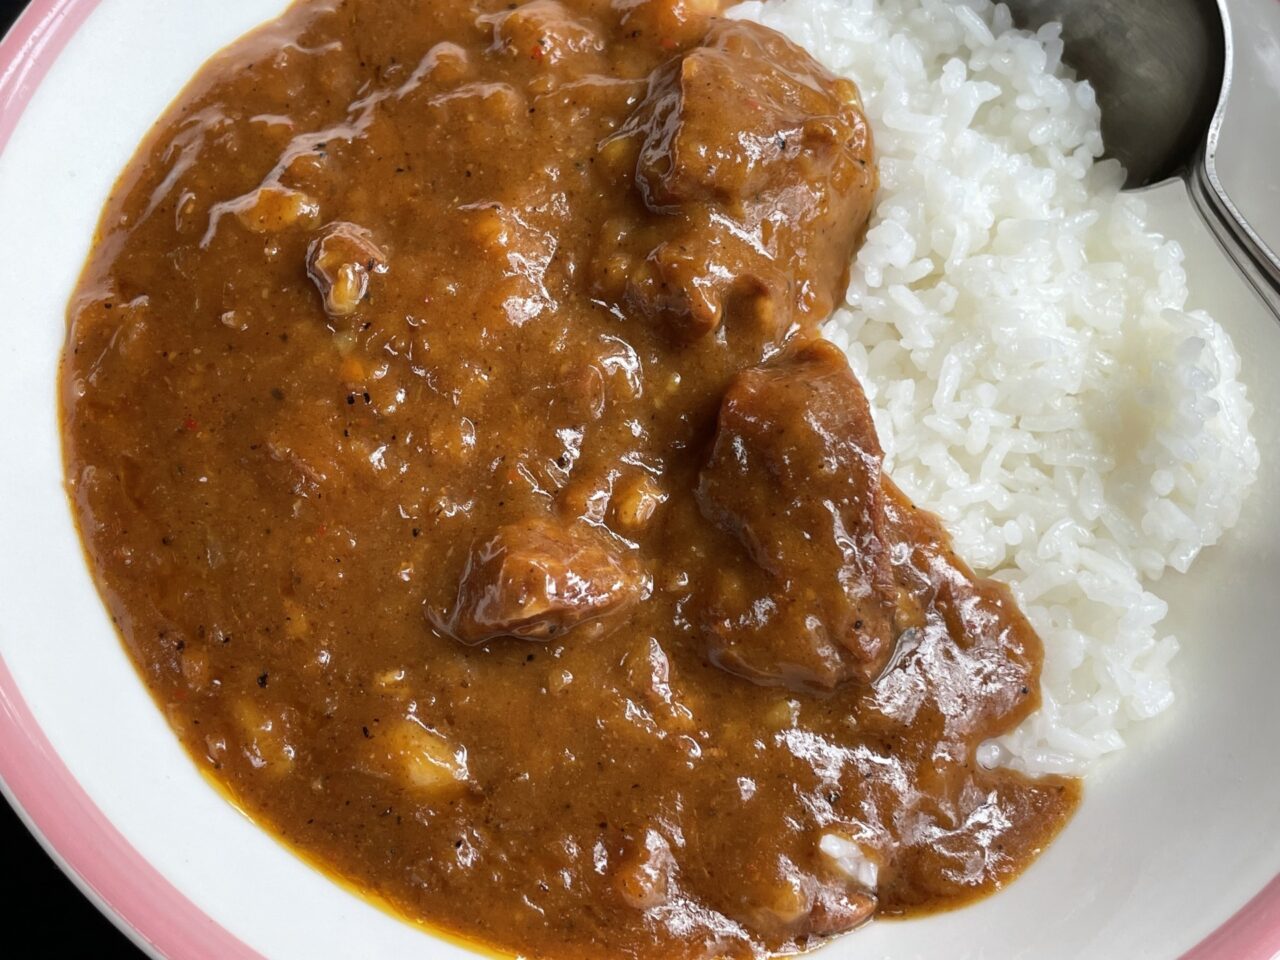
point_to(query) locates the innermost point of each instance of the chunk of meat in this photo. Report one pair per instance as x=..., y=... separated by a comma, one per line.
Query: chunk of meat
x=795, y=476
x=753, y=146
x=726, y=122
x=340, y=262
x=538, y=579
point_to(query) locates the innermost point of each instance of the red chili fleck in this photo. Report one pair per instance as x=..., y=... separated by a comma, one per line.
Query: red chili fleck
x=190, y=424
x=667, y=43
x=537, y=53
x=323, y=530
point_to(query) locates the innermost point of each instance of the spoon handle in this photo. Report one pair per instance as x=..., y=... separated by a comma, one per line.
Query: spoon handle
x=1256, y=262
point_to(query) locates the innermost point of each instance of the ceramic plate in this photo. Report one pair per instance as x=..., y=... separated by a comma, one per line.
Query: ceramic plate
x=1176, y=848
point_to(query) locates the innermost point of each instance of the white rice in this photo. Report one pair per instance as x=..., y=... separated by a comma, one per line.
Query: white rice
x=1023, y=340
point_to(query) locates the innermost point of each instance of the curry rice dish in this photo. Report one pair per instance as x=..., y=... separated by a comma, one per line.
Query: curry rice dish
x=454, y=445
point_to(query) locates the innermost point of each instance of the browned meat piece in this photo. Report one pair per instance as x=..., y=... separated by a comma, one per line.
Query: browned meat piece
x=536, y=580
x=795, y=475
x=340, y=262
x=754, y=147
x=726, y=122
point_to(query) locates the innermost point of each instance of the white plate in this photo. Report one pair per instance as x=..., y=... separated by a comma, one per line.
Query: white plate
x=1174, y=837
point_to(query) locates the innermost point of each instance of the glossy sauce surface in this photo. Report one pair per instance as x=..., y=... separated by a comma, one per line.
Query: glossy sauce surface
x=451, y=438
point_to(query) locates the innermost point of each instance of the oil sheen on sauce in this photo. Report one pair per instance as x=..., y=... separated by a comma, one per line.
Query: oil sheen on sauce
x=453, y=443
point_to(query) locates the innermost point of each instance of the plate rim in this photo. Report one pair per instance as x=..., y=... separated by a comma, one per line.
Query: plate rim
x=124, y=886
x=61, y=815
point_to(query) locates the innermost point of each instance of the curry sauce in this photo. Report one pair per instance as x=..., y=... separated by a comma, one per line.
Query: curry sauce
x=454, y=445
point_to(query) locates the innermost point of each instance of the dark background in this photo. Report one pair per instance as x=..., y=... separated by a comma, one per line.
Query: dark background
x=37, y=897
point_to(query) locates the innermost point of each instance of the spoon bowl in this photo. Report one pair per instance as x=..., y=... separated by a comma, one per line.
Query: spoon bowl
x=1162, y=72
x=1158, y=68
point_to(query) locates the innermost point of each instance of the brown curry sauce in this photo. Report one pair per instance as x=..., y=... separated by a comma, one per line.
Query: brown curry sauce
x=452, y=443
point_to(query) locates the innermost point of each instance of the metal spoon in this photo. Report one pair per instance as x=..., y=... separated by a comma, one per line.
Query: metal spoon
x=1162, y=73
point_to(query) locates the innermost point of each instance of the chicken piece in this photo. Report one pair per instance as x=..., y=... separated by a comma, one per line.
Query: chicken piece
x=340, y=262
x=795, y=477
x=537, y=580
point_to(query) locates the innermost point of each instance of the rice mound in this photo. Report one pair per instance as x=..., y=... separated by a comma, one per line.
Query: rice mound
x=1022, y=338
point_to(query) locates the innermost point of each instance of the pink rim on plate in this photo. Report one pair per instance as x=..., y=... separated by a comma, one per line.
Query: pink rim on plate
x=63, y=816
